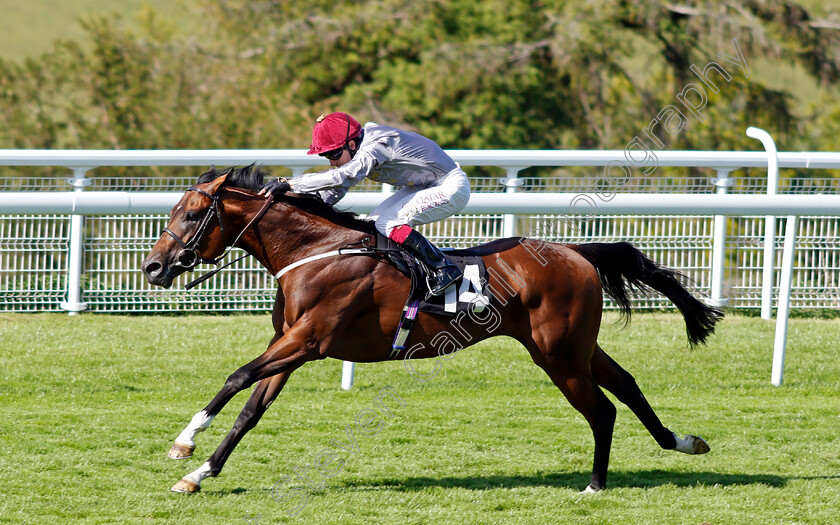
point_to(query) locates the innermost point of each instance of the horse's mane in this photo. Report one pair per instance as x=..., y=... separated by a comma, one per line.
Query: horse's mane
x=252, y=178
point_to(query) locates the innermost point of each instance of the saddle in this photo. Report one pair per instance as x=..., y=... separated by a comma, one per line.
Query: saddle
x=450, y=303
x=469, y=293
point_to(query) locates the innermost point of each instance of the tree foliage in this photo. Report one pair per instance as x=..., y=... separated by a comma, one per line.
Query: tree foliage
x=470, y=74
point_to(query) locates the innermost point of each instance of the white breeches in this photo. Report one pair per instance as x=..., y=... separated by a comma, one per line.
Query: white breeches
x=413, y=206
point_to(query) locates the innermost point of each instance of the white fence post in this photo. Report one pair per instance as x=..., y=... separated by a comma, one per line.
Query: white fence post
x=75, y=254
x=347, y=372
x=784, y=301
x=511, y=182
x=770, y=220
x=722, y=183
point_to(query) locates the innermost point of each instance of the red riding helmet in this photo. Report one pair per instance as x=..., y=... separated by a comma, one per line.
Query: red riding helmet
x=332, y=132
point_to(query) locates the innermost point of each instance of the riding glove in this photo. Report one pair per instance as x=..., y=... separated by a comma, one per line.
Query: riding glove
x=276, y=187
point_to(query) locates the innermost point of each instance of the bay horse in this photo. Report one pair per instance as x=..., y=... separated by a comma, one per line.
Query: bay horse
x=348, y=306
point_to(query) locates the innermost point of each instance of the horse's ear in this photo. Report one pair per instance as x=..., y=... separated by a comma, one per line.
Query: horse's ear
x=217, y=183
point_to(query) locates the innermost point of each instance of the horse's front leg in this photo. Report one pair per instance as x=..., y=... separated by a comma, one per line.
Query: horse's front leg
x=281, y=359
x=184, y=445
x=262, y=397
x=185, y=442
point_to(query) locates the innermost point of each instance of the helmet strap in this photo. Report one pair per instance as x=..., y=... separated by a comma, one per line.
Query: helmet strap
x=358, y=140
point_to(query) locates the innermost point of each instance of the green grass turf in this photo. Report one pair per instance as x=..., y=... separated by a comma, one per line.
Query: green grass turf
x=90, y=405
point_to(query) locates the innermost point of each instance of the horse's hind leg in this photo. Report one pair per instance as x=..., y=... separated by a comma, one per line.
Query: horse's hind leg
x=264, y=394
x=610, y=375
x=579, y=387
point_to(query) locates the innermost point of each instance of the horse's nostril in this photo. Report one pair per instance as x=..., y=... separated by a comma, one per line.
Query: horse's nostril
x=152, y=268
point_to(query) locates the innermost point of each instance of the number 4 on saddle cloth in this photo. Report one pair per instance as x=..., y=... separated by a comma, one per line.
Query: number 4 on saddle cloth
x=469, y=293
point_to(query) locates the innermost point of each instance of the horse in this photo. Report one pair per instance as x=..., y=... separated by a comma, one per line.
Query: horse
x=548, y=296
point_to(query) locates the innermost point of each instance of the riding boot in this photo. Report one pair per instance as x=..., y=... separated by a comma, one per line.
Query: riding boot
x=443, y=273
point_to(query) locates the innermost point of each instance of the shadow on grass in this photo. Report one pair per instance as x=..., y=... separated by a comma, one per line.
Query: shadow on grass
x=571, y=480
x=579, y=480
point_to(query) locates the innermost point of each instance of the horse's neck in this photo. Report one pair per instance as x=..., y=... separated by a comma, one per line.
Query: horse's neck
x=286, y=234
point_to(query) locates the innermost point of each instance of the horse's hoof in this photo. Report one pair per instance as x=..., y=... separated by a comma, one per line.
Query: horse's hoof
x=698, y=444
x=186, y=486
x=181, y=451
x=692, y=445
x=589, y=490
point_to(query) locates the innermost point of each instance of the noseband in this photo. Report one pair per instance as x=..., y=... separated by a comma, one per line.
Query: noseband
x=187, y=257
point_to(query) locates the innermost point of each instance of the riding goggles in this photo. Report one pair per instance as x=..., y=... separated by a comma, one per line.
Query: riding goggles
x=334, y=154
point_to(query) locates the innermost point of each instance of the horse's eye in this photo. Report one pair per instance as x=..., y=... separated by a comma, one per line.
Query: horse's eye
x=191, y=216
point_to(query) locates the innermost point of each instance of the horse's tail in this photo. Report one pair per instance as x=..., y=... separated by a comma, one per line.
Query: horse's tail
x=622, y=266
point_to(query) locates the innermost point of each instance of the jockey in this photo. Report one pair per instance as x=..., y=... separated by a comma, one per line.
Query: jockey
x=432, y=185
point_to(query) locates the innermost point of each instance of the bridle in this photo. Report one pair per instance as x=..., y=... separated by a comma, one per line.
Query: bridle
x=188, y=258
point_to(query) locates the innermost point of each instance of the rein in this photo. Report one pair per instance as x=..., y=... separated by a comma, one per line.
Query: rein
x=189, y=259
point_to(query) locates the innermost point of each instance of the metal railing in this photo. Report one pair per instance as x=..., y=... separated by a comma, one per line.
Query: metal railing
x=82, y=249
x=33, y=259
x=720, y=255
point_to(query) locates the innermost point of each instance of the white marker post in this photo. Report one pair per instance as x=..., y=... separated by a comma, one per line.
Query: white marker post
x=784, y=301
x=770, y=220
